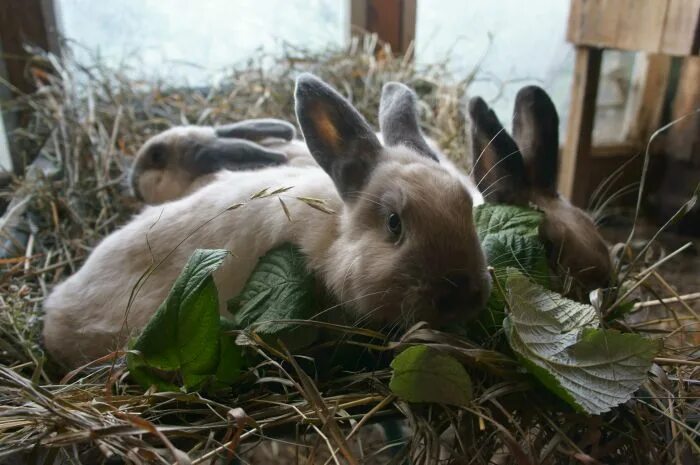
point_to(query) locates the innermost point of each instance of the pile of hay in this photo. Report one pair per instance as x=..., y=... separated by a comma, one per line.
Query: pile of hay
x=86, y=123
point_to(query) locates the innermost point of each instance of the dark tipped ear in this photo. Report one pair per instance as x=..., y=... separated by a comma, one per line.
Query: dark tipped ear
x=232, y=154
x=337, y=135
x=536, y=131
x=398, y=120
x=258, y=129
x=498, y=167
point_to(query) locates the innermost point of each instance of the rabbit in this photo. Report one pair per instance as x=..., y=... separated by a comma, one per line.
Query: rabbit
x=522, y=170
x=522, y=173
x=180, y=159
x=401, y=248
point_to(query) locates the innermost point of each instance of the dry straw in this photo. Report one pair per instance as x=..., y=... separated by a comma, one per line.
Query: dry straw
x=86, y=122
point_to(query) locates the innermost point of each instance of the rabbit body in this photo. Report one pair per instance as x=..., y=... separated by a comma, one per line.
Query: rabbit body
x=401, y=246
x=113, y=269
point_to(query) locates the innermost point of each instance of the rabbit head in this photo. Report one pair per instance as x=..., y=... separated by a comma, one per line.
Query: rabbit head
x=168, y=163
x=406, y=248
x=522, y=170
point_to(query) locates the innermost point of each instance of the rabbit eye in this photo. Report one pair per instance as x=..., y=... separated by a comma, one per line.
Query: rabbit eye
x=393, y=224
x=158, y=157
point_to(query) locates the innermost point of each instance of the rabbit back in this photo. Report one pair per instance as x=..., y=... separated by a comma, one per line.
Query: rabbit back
x=95, y=299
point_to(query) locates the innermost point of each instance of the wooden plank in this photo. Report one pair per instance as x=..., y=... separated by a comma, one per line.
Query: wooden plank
x=683, y=141
x=22, y=22
x=646, y=98
x=594, y=22
x=384, y=18
x=652, y=26
x=394, y=21
x=615, y=149
x=682, y=28
x=574, y=179
x=25, y=21
x=408, y=24
x=640, y=25
x=358, y=16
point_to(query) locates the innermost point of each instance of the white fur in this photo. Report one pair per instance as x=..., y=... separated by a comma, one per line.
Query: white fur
x=85, y=314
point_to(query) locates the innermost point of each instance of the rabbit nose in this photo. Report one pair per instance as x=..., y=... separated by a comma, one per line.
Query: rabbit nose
x=458, y=296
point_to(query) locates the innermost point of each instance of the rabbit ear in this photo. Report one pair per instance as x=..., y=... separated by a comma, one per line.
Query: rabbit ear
x=398, y=119
x=536, y=130
x=337, y=136
x=257, y=129
x=499, y=171
x=232, y=154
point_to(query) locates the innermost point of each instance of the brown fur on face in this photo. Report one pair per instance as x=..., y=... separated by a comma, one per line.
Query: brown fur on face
x=435, y=271
x=522, y=170
x=573, y=243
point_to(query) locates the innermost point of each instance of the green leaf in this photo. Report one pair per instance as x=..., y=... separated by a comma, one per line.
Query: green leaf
x=280, y=289
x=559, y=342
x=180, y=346
x=231, y=361
x=424, y=374
x=509, y=236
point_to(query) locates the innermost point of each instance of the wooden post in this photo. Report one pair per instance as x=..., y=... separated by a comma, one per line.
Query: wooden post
x=646, y=98
x=394, y=21
x=23, y=22
x=683, y=141
x=574, y=180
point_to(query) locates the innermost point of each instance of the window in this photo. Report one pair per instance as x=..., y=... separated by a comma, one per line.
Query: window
x=515, y=43
x=187, y=41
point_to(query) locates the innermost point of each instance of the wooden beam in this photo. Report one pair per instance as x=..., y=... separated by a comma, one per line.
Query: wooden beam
x=645, y=101
x=640, y=24
x=682, y=28
x=394, y=21
x=653, y=26
x=575, y=165
x=23, y=22
x=683, y=141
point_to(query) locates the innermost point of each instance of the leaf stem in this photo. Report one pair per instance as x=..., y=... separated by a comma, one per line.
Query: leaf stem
x=492, y=272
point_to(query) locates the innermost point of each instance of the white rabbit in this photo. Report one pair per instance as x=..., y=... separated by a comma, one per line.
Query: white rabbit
x=401, y=248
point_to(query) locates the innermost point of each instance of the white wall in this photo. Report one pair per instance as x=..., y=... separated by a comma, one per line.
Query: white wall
x=5, y=160
x=187, y=40
x=514, y=42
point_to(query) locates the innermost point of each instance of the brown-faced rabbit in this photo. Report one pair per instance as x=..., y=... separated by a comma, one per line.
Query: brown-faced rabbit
x=523, y=169
x=402, y=246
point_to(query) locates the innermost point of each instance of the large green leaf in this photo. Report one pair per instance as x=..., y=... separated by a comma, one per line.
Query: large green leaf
x=509, y=236
x=424, y=374
x=181, y=344
x=280, y=289
x=559, y=342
